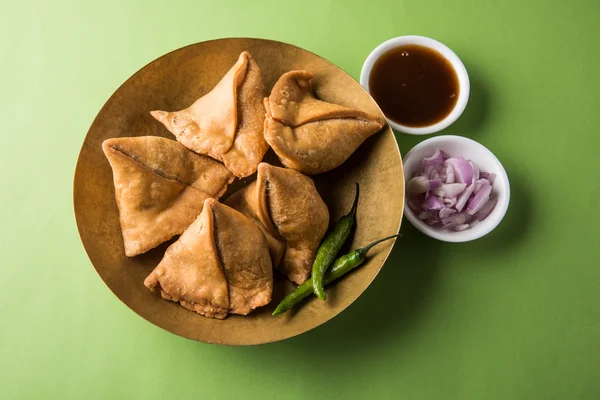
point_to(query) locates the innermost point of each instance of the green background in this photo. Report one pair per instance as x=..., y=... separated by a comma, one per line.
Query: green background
x=511, y=316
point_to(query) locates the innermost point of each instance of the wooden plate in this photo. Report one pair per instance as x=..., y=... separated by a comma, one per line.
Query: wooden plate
x=173, y=82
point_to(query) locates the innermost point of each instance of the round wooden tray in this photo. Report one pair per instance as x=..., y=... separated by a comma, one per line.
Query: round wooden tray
x=173, y=82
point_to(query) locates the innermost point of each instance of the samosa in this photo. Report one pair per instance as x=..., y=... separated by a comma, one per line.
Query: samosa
x=227, y=123
x=310, y=135
x=160, y=187
x=289, y=210
x=219, y=265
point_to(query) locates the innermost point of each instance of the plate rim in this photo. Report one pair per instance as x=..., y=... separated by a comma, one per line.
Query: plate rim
x=387, y=129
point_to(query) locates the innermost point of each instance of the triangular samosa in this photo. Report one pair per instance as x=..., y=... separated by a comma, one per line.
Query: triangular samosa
x=287, y=207
x=310, y=135
x=227, y=123
x=160, y=187
x=219, y=265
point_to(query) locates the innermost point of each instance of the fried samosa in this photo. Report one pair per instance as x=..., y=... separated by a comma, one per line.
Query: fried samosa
x=310, y=135
x=219, y=265
x=287, y=207
x=160, y=187
x=227, y=123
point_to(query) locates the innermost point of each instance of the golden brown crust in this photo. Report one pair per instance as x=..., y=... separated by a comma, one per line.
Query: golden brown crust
x=244, y=254
x=310, y=135
x=227, y=123
x=288, y=209
x=219, y=265
x=160, y=187
x=190, y=272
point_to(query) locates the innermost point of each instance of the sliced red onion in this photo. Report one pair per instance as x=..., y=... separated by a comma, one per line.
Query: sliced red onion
x=486, y=210
x=432, y=202
x=489, y=176
x=478, y=201
x=479, y=183
x=475, y=169
x=450, y=193
x=463, y=173
x=439, y=191
x=453, y=189
x=436, y=159
x=454, y=220
x=446, y=212
x=464, y=197
x=427, y=215
x=429, y=170
x=450, y=178
x=460, y=228
x=450, y=202
x=421, y=184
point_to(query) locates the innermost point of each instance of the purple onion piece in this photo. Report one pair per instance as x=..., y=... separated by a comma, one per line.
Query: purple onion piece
x=464, y=197
x=478, y=201
x=432, y=202
x=450, y=178
x=491, y=178
x=453, y=189
x=475, y=169
x=421, y=184
x=446, y=212
x=439, y=192
x=460, y=228
x=454, y=220
x=486, y=210
x=430, y=215
x=463, y=173
x=450, y=202
x=436, y=159
x=429, y=170
x=480, y=183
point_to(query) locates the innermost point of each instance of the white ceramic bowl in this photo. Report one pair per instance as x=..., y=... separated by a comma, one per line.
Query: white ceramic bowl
x=455, y=146
x=461, y=72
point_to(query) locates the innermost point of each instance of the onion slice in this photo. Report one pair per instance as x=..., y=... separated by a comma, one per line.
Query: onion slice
x=486, y=210
x=464, y=197
x=454, y=220
x=436, y=159
x=450, y=193
x=421, y=184
x=460, y=227
x=432, y=202
x=478, y=201
x=463, y=173
x=450, y=202
x=446, y=212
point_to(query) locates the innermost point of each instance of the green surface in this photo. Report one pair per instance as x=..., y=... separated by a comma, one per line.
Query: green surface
x=511, y=316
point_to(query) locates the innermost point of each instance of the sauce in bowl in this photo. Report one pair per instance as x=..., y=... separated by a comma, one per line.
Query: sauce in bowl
x=414, y=85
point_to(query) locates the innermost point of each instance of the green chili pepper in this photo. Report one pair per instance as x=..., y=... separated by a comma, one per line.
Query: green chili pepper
x=341, y=266
x=331, y=246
